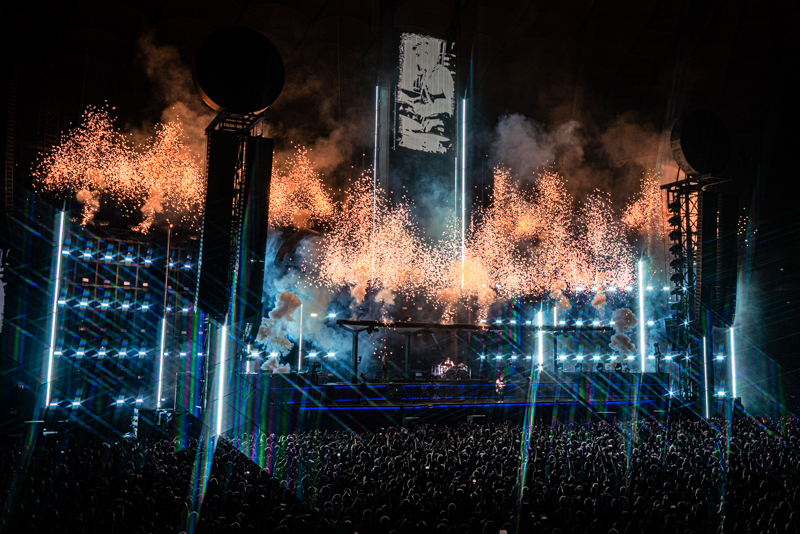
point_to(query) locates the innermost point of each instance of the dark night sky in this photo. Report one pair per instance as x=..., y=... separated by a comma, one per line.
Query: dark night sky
x=585, y=60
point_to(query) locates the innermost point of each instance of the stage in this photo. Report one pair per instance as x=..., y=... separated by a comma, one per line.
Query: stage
x=277, y=403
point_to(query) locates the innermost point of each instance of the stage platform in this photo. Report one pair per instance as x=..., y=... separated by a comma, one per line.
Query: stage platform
x=274, y=402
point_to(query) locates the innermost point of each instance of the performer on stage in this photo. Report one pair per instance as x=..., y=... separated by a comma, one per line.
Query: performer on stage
x=499, y=387
x=448, y=362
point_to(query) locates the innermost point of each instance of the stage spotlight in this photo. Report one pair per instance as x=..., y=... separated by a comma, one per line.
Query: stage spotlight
x=720, y=393
x=579, y=323
x=331, y=354
x=595, y=323
x=331, y=315
x=579, y=357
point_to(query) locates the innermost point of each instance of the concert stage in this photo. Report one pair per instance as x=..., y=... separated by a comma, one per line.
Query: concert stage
x=286, y=402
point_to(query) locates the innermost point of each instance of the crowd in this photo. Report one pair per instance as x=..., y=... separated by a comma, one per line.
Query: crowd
x=674, y=477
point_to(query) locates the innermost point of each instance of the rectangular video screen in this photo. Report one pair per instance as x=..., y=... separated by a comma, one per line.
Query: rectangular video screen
x=426, y=94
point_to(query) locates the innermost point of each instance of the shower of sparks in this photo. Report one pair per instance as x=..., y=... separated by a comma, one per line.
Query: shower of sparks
x=644, y=214
x=172, y=181
x=528, y=243
x=95, y=163
x=345, y=255
x=297, y=194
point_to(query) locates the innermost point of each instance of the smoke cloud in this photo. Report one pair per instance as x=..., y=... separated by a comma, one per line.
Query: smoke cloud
x=172, y=78
x=623, y=320
x=612, y=158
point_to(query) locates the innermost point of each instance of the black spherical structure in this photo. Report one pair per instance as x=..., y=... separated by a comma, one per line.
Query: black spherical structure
x=700, y=143
x=239, y=70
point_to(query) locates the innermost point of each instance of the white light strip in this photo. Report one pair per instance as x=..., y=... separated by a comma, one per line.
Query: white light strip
x=54, y=315
x=540, y=341
x=300, y=345
x=705, y=377
x=463, y=185
x=555, y=314
x=733, y=365
x=642, y=347
x=161, y=359
x=223, y=344
x=374, y=184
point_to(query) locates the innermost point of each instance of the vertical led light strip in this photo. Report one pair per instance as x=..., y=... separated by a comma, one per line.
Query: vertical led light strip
x=54, y=315
x=161, y=358
x=705, y=376
x=223, y=349
x=733, y=365
x=463, y=186
x=300, y=345
x=162, y=344
x=555, y=314
x=374, y=185
x=540, y=336
x=642, y=347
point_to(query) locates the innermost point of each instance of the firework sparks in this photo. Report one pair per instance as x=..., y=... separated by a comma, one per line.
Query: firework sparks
x=525, y=243
x=297, y=194
x=95, y=163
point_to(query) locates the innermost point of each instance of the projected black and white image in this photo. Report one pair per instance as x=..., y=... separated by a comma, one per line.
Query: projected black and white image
x=425, y=94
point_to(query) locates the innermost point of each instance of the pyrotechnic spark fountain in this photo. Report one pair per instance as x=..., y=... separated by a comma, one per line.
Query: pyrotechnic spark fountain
x=297, y=194
x=96, y=163
x=524, y=243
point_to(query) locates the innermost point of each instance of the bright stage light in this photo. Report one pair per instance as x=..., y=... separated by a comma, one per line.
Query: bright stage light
x=540, y=337
x=101, y=352
x=76, y=403
x=498, y=321
x=120, y=401
x=651, y=357
x=482, y=357
x=579, y=357
x=578, y=289
x=611, y=289
x=671, y=393
x=596, y=357
x=705, y=378
x=628, y=288
x=651, y=323
x=649, y=288
x=104, y=305
x=733, y=364
x=665, y=288
x=161, y=360
x=81, y=352
x=83, y=304
x=528, y=321
x=331, y=354
x=54, y=312
x=514, y=357
x=595, y=323
x=612, y=357
x=139, y=400
x=642, y=333
x=221, y=380
x=273, y=354
x=720, y=393
x=331, y=315
x=579, y=323
x=630, y=357
x=562, y=357
x=312, y=314
x=562, y=323
x=668, y=357
x=512, y=321
x=498, y=357
x=719, y=357
x=312, y=354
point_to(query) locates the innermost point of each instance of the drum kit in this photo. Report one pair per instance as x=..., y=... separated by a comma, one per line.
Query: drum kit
x=451, y=372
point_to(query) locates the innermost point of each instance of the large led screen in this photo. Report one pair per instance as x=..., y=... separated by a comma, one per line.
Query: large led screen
x=426, y=94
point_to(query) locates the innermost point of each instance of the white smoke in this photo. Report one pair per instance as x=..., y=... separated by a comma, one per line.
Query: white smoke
x=623, y=320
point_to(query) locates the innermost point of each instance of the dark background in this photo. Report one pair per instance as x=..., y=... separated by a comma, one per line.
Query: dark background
x=583, y=60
